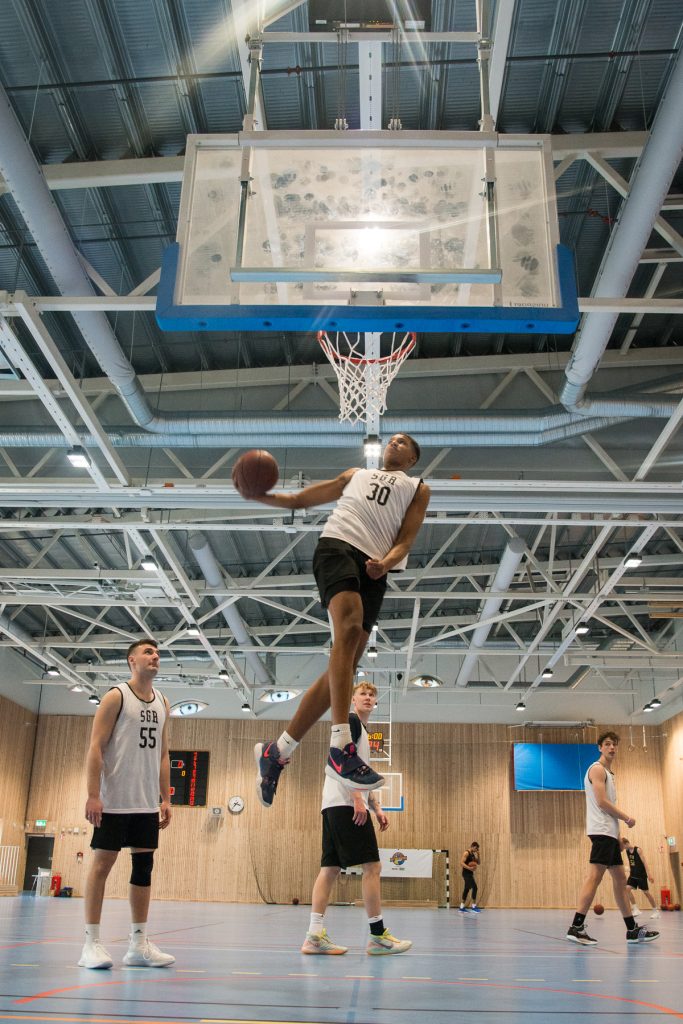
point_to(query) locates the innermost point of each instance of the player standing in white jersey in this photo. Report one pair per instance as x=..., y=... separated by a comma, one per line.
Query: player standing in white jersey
x=129, y=782
x=369, y=534
x=602, y=828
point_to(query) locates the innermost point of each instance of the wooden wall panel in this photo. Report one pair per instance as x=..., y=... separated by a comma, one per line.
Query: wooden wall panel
x=672, y=786
x=17, y=736
x=457, y=784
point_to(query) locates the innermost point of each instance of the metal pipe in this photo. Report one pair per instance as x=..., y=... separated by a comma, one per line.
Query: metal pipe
x=509, y=564
x=211, y=570
x=651, y=180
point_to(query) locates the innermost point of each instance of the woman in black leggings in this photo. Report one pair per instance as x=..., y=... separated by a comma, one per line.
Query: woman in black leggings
x=469, y=862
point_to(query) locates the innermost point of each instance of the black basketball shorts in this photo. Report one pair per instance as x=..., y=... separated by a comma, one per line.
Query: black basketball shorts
x=141, y=831
x=605, y=850
x=338, y=566
x=346, y=844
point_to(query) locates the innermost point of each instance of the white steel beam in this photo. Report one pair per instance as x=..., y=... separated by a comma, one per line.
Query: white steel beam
x=505, y=12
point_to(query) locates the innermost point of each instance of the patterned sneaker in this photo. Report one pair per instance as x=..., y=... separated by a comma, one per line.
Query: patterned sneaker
x=146, y=954
x=380, y=945
x=581, y=936
x=322, y=944
x=654, y=915
x=269, y=764
x=640, y=935
x=347, y=766
x=463, y=910
x=476, y=910
x=95, y=957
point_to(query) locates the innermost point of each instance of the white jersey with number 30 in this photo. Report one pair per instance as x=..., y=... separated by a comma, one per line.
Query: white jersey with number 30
x=132, y=757
x=371, y=510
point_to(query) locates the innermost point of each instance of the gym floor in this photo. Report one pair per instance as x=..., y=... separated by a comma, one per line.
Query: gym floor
x=240, y=963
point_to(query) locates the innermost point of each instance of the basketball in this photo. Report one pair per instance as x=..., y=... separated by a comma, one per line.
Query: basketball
x=598, y=909
x=255, y=473
x=677, y=906
x=295, y=900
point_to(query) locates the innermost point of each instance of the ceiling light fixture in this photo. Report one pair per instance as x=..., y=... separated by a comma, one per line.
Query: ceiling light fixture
x=633, y=561
x=655, y=702
x=76, y=688
x=372, y=447
x=371, y=651
x=521, y=706
x=94, y=699
x=647, y=708
x=245, y=708
x=224, y=675
x=78, y=457
x=582, y=629
x=52, y=671
x=187, y=707
x=193, y=630
x=148, y=564
x=547, y=673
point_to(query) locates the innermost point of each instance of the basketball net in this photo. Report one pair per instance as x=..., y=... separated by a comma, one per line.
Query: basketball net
x=363, y=382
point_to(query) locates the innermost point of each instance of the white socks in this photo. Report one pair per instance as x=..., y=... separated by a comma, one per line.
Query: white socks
x=341, y=736
x=92, y=933
x=138, y=933
x=286, y=745
x=316, y=924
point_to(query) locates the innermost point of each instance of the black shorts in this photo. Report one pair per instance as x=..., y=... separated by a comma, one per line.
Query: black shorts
x=118, y=830
x=637, y=883
x=338, y=566
x=606, y=850
x=346, y=844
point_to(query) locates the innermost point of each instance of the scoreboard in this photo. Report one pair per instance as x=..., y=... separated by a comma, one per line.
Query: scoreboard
x=189, y=777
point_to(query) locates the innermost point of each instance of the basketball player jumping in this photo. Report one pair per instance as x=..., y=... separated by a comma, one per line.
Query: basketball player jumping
x=128, y=771
x=369, y=534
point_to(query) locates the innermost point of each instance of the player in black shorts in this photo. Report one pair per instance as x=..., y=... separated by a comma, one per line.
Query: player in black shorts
x=368, y=534
x=349, y=839
x=638, y=878
x=469, y=862
x=602, y=828
x=128, y=778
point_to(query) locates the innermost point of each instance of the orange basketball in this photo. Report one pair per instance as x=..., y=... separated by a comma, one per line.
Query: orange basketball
x=598, y=909
x=255, y=473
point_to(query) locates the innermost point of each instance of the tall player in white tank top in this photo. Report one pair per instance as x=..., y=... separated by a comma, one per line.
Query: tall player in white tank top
x=369, y=534
x=602, y=828
x=129, y=782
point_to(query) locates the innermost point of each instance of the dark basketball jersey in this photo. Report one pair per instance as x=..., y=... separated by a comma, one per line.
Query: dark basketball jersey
x=636, y=866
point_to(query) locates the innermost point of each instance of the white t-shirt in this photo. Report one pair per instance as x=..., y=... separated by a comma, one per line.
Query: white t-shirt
x=335, y=793
x=371, y=510
x=599, y=822
x=132, y=758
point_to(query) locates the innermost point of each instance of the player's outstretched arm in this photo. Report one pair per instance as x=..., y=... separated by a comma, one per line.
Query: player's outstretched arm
x=316, y=494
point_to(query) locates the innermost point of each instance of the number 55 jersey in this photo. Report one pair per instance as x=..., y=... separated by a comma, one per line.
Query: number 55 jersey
x=132, y=757
x=371, y=510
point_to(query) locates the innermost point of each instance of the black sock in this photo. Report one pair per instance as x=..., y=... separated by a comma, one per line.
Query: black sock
x=630, y=923
x=377, y=927
x=578, y=920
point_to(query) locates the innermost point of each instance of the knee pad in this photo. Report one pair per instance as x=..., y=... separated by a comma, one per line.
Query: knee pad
x=142, y=868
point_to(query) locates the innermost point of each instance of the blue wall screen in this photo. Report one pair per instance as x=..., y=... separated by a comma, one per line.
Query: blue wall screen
x=552, y=766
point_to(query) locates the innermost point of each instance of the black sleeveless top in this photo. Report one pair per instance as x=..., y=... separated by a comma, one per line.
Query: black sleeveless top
x=637, y=868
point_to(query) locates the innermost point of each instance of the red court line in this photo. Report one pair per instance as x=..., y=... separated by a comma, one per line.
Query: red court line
x=459, y=984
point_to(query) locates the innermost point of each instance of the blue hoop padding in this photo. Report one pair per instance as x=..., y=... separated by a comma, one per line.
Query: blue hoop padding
x=461, y=319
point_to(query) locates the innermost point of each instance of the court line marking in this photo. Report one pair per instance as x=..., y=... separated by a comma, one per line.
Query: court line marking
x=593, y=981
x=487, y=984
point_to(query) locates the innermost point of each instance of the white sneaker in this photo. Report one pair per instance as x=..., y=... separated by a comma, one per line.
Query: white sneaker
x=654, y=914
x=379, y=945
x=95, y=957
x=146, y=954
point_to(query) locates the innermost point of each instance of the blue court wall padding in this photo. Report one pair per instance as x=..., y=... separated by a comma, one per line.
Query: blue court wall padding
x=550, y=767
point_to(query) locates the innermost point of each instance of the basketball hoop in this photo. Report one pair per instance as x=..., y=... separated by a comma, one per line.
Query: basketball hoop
x=363, y=382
